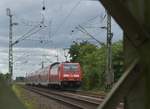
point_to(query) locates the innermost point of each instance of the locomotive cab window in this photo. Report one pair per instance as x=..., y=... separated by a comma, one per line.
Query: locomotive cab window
x=70, y=67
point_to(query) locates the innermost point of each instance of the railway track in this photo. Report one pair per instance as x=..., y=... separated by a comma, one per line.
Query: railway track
x=86, y=93
x=74, y=100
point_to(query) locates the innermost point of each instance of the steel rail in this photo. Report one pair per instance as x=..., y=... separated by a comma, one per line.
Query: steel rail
x=86, y=93
x=74, y=101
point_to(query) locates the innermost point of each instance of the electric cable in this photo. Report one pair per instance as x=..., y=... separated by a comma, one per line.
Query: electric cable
x=66, y=18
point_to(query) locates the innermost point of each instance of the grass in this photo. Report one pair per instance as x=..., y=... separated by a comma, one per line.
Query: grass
x=8, y=99
x=24, y=97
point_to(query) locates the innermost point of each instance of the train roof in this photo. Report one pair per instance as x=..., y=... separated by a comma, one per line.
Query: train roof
x=55, y=63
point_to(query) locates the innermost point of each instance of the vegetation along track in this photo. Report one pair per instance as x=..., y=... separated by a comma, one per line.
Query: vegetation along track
x=73, y=100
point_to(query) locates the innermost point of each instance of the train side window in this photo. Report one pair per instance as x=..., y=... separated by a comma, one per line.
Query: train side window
x=58, y=69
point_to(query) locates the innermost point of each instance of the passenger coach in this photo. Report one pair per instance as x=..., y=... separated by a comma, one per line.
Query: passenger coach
x=57, y=74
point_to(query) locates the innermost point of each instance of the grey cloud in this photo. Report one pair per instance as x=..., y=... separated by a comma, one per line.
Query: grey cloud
x=28, y=13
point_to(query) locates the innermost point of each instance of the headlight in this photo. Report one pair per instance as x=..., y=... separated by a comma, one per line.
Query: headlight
x=66, y=75
x=77, y=75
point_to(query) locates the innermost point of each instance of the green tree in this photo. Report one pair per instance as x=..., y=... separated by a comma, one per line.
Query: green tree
x=93, y=62
x=117, y=59
x=74, y=52
x=4, y=76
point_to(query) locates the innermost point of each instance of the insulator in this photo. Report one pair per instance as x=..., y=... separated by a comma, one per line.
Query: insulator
x=43, y=8
x=41, y=41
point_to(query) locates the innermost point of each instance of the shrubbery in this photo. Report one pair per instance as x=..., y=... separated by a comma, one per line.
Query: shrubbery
x=93, y=62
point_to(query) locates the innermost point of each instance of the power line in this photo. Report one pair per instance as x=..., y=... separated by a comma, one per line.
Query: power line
x=39, y=40
x=26, y=36
x=29, y=31
x=21, y=57
x=83, y=30
x=66, y=18
x=26, y=22
x=91, y=19
x=32, y=34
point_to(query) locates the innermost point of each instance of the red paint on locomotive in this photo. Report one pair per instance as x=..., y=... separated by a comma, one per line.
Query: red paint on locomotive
x=62, y=74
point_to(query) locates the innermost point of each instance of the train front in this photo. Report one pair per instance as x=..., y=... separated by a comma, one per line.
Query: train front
x=71, y=74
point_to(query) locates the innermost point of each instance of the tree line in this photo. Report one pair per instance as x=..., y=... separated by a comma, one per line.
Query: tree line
x=5, y=76
x=93, y=62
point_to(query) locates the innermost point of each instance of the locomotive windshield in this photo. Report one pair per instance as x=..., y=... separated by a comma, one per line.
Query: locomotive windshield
x=70, y=67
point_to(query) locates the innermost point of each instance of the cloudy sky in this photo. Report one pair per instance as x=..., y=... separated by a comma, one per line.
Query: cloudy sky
x=43, y=34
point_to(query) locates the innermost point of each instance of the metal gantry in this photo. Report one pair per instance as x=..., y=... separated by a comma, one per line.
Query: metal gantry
x=84, y=31
x=11, y=24
x=23, y=37
x=109, y=70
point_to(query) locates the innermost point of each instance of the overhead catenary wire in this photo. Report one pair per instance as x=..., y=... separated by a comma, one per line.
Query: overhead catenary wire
x=91, y=19
x=83, y=30
x=21, y=57
x=24, y=35
x=28, y=34
x=66, y=18
x=29, y=31
x=34, y=30
x=38, y=40
x=50, y=29
x=32, y=33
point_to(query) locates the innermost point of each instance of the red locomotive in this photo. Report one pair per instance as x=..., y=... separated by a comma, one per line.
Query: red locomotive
x=57, y=74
